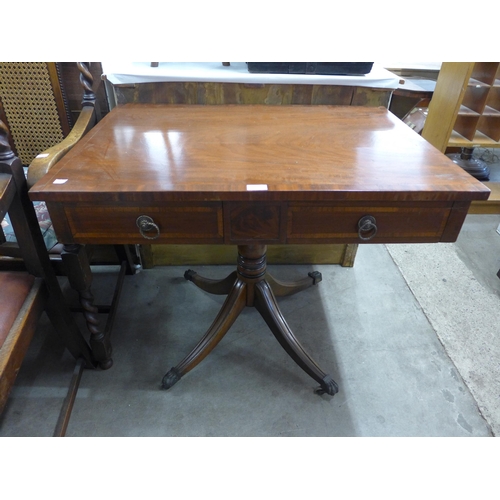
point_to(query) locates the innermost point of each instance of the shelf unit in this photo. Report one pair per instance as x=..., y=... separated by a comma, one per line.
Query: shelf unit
x=478, y=120
x=465, y=113
x=465, y=108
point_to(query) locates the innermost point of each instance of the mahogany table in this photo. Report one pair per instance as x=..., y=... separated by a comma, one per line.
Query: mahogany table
x=251, y=176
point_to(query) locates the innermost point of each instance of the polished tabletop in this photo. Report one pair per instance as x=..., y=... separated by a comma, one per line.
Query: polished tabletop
x=254, y=152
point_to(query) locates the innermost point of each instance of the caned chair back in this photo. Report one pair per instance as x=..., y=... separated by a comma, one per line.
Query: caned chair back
x=34, y=107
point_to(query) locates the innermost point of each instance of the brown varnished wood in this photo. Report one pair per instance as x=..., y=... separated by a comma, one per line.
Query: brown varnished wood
x=245, y=222
x=188, y=167
x=43, y=163
x=215, y=286
x=16, y=286
x=268, y=223
x=72, y=86
x=233, y=305
x=76, y=264
x=251, y=285
x=325, y=168
x=223, y=286
x=193, y=153
x=222, y=93
x=267, y=306
x=21, y=332
x=178, y=222
x=86, y=119
x=7, y=193
x=398, y=222
x=284, y=288
x=25, y=295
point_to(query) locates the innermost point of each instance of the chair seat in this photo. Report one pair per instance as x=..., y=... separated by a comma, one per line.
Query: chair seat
x=14, y=288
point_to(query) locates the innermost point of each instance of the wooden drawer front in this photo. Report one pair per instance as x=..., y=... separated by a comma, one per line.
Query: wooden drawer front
x=339, y=224
x=179, y=223
x=254, y=222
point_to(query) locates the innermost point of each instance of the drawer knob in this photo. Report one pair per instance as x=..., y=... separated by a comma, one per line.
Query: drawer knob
x=146, y=224
x=367, y=227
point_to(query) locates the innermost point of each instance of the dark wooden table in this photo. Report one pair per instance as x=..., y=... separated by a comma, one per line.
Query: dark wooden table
x=252, y=176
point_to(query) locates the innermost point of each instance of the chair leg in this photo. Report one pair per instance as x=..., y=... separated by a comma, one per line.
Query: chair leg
x=80, y=278
x=69, y=401
x=65, y=325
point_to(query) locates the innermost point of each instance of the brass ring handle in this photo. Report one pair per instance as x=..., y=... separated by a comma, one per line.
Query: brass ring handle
x=367, y=228
x=146, y=224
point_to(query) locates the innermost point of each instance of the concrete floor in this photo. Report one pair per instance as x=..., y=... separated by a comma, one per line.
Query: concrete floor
x=410, y=334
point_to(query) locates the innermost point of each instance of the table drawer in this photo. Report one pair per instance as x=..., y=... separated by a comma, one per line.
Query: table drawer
x=170, y=223
x=405, y=222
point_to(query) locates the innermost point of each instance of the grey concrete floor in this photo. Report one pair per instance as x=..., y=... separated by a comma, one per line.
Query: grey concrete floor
x=408, y=333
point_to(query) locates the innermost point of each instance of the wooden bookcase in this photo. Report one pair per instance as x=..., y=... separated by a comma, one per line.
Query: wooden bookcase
x=465, y=108
x=465, y=113
x=478, y=120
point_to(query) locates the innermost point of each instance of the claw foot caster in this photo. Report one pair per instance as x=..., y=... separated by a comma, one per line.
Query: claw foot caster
x=188, y=275
x=316, y=277
x=328, y=386
x=171, y=378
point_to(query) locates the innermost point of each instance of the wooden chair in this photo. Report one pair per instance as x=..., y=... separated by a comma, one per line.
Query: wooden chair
x=34, y=105
x=25, y=295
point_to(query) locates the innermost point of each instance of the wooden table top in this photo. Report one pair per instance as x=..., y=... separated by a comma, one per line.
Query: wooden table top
x=142, y=152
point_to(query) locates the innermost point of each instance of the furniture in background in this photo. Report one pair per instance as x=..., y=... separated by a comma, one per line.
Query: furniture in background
x=311, y=68
x=25, y=295
x=410, y=95
x=216, y=84
x=417, y=83
x=417, y=116
x=249, y=177
x=36, y=108
x=464, y=114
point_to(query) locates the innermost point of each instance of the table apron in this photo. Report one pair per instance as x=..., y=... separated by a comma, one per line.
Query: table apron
x=243, y=222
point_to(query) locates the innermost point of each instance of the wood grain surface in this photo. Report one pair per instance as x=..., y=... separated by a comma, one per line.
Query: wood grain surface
x=157, y=153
